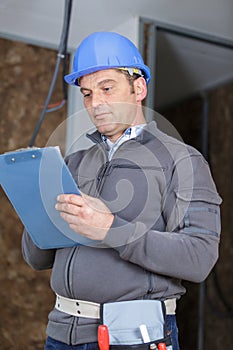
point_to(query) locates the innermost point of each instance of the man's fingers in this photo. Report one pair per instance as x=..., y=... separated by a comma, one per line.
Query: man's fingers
x=69, y=218
x=68, y=208
x=70, y=198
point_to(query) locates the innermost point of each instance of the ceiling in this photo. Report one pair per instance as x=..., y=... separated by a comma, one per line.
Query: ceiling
x=183, y=64
x=41, y=21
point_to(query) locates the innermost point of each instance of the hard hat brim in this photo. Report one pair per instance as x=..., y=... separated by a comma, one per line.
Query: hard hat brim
x=73, y=77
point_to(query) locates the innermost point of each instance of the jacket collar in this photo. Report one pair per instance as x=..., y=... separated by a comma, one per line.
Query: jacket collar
x=147, y=134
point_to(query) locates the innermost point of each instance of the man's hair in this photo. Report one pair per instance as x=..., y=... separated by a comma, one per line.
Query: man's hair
x=130, y=78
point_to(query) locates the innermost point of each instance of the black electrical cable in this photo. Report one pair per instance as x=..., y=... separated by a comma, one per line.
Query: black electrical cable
x=60, y=55
x=66, y=31
x=53, y=109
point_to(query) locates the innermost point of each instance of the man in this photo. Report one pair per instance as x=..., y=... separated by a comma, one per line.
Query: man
x=148, y=200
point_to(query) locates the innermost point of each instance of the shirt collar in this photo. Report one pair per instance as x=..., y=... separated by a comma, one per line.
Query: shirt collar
x=130, y=133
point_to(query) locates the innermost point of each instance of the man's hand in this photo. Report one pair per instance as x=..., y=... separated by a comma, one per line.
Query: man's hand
x=85, y=215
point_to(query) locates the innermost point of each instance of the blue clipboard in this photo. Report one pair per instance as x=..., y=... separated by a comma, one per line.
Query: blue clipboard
x=32, y=179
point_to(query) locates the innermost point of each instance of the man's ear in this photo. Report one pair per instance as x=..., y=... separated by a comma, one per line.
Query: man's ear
x=140, y=88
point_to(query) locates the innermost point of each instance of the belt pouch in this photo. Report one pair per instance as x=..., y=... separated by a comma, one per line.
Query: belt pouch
x=124, y=319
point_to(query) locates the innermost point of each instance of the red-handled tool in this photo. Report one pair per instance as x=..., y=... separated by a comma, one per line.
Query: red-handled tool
x=103, y=337
x=161, y=346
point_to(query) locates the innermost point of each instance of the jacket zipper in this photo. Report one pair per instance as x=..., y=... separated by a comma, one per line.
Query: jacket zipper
x=104, y=171
x=149, y=290
x=146, y=167
x=101, y=176
x=69, y=289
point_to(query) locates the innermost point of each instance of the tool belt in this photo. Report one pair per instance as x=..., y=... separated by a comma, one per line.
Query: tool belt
x=89, y=309
x=136, y=324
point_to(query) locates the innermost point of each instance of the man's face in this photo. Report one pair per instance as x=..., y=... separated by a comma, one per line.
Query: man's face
x=110, y=102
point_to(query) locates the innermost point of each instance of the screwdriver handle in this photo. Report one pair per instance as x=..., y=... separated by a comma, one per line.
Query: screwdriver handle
x=103, y=337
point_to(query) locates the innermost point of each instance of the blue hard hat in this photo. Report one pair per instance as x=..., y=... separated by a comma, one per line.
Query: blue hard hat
x=105, y=50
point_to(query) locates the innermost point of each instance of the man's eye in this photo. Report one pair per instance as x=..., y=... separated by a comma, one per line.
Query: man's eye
x=107, y=88
x=87, y=95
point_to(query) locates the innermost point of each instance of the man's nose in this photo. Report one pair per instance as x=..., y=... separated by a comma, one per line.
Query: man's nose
x=97, y=99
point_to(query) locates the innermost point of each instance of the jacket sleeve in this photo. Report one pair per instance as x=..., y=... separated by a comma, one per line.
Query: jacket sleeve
x=37, y=258
x=188, y=249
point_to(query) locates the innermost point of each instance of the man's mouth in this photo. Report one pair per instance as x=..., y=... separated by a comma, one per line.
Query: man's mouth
x=101, y=115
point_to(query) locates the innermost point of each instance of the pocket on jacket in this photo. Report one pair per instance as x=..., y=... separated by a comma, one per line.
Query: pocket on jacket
x=197, y=211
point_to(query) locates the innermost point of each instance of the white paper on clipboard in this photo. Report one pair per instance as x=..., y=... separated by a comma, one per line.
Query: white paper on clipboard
x=32, y=179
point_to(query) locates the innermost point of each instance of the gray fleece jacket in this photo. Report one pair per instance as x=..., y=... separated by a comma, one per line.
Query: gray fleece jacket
x=166, y=228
